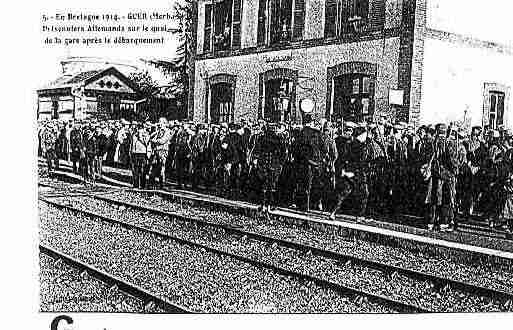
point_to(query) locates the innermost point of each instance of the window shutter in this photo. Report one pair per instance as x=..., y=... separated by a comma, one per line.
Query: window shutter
x=376, y=15
x=261, y=22
x=330, y=19
x=236, y=23
x=299, y=20
x=208, y=28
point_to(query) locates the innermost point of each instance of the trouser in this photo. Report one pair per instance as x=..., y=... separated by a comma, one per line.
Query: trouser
x=182, y=169
x=270, y=173
x=90, y=162
x=443, y=202
x=99, y=165
x=139, y=163
x=308, y=188
x=199, y=171
x=359, y=187
x=51, y=160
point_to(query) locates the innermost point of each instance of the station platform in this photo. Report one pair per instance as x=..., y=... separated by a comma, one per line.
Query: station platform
x=474, y=242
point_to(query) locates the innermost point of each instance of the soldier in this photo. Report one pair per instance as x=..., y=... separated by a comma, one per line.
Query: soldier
x=309, y=151
x=444, y=170
x=199, y=145
x=231, y=149
x=140, y=149
x=377, y=158
x=328, y=165
x=183, y=154
x=344, y=179
x=89, y=155
x=398, y=156
x=103, y=141
x=160, y=146
x=48, y=145
x=425, y=157
x=76, y=146
x=268, y=157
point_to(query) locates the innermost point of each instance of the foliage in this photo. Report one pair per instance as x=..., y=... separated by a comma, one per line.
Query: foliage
x=144, y=82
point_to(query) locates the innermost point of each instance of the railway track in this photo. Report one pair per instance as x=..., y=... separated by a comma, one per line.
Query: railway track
x=401, y=306
x=111, y=280
x=440, y=282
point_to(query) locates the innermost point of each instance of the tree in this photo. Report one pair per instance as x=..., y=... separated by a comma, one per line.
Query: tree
x=148, y=88
x=179, y=68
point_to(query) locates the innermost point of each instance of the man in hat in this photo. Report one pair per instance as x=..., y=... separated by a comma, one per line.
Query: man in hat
x=444, y=172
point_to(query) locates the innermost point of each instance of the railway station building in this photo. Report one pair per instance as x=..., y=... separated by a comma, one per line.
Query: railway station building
x=102, y=93
x=355, y=59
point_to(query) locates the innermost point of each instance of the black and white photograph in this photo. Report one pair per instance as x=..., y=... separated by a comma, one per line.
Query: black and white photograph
x=265, y=157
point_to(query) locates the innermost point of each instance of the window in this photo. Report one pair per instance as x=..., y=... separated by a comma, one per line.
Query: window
x=55, y=109
x=495, y=105
x=222, y=25
x=221, y=103
x=278, y=96
x=353, y=97
x=349, y=17
x=496, y=114
x=280, y=21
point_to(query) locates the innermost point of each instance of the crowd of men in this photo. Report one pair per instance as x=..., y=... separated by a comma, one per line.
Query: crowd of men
x=439, y=173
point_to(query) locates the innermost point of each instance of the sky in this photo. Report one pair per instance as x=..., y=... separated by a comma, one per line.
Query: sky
x=488, y=20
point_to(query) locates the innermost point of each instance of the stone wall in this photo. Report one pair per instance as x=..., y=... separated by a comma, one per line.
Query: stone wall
x=311, y=63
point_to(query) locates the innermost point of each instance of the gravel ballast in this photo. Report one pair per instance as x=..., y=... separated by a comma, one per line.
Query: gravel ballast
x=196, y=279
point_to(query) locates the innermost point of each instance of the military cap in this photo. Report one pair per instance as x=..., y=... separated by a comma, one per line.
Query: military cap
x=441, y=128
